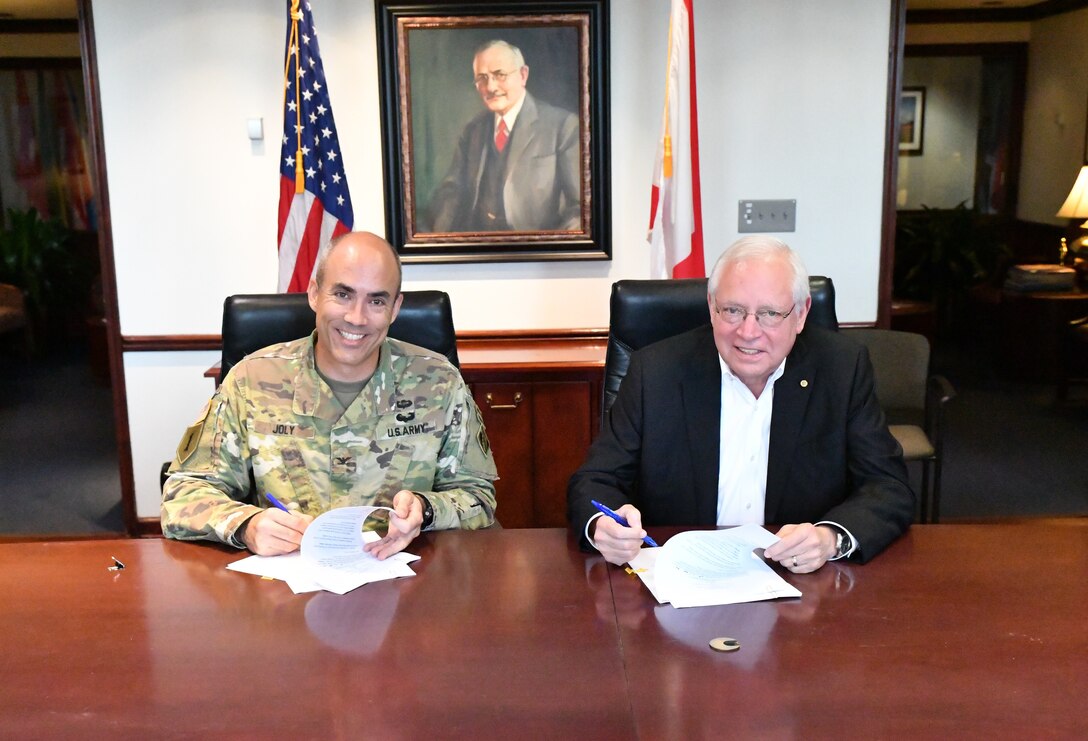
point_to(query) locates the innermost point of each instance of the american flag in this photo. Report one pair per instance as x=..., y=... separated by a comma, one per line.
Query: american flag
x=314, y=202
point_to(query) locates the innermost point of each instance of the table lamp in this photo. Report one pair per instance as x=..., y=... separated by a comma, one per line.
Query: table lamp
x=1076, y=207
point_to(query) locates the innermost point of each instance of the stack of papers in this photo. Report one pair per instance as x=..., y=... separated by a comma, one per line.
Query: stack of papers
x=712, y=567
x=331, y=557
x=1040, y=278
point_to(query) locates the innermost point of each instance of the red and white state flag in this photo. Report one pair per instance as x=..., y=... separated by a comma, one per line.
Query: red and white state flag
x=314, y=202
x=676, y=218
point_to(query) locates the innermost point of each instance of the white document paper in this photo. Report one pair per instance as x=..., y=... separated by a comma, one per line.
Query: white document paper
x=331, y=557
x=712, y=567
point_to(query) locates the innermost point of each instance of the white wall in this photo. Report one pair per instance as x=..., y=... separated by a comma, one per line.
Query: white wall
x=1054, y=115
x=791, y=102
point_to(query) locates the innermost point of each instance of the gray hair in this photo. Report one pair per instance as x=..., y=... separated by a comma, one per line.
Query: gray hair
x=519, y=60
x=760, y=247
x=328, y=247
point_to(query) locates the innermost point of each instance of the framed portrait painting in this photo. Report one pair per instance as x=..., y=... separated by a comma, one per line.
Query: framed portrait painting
x=912, y=118
x=495, y=130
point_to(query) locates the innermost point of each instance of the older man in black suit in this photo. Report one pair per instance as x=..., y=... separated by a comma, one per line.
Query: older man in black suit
x=749, y=420
x=517, y=164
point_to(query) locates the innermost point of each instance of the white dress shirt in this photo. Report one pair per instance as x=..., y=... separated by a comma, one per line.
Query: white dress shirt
x=744, y=446
x=745, y=439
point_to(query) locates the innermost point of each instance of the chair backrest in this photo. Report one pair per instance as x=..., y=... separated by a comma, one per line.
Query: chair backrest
x=253, y=321
x=900, y=370
x=645, y=311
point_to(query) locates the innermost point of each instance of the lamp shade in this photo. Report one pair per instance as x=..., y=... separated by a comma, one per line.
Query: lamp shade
x=1076, y=205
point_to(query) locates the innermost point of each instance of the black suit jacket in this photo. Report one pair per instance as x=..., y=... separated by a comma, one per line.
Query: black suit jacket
x=831, y=456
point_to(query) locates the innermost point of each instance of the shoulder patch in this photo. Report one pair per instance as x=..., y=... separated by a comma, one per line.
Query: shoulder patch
x=192, y=434
x=481, y=436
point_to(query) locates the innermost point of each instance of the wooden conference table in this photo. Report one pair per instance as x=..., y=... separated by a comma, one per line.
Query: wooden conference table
x=957, y=630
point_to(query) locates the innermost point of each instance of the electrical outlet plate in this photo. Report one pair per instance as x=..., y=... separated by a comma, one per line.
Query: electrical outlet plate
x=767, y=216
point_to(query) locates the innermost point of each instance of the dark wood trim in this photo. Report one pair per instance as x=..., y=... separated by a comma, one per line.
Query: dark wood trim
x=148, y=527
x=39, y=25
x=1029, y=13
x=533, y=334
x=896, y=42
x=1085, y=161
x=194, y=342
x=55, y=537
x=970, y=49
x=105, y=255
x=40, y=63
x=170, y=342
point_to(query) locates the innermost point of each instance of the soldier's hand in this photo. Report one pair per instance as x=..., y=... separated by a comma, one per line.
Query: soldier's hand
x=273, y=532
x=404, y=526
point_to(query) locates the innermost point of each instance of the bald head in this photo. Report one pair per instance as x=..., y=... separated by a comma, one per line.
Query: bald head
x=373, y=242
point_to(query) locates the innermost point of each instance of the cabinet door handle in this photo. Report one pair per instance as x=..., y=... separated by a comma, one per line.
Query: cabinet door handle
x=492, y=405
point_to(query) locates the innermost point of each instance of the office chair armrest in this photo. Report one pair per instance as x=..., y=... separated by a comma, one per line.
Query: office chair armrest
x=939, y=391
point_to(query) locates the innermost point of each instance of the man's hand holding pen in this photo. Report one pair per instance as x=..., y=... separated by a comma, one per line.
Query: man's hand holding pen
x=275, y=531
x=619, y=543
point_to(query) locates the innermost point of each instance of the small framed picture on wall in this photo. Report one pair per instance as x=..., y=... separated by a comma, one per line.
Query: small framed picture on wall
x=912, y=118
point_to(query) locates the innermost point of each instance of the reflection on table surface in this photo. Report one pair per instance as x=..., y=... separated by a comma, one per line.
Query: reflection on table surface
x=955, y=627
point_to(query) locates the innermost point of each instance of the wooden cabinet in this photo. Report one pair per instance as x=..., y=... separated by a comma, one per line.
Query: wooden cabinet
x=1032, y=324
x=540, y=400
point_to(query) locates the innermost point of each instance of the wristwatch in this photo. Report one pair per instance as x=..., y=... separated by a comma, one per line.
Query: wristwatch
x=428, y=511
x=844, y=543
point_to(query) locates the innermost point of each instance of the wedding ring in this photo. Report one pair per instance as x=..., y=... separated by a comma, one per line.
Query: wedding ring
x=795, y=562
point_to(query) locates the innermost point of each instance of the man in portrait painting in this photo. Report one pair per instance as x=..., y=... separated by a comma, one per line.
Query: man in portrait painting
x=517, y=164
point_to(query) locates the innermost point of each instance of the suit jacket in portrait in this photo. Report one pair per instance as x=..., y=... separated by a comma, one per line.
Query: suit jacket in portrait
x=542, y=179
x=831, y=456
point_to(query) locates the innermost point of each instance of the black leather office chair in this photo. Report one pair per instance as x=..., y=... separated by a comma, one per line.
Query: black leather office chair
x=645, y=311
x=253, y=321
x=256, y=320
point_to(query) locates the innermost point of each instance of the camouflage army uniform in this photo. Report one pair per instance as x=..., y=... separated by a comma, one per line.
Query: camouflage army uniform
x=274, y=426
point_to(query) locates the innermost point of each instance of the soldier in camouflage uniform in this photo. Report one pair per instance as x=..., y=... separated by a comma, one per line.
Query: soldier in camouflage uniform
x=344, y=417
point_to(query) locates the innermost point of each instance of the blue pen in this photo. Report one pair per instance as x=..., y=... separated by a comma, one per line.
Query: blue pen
x=276, y=503
x=621, y=520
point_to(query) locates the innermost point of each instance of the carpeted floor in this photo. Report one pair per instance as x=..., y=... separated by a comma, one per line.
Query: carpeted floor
x=58, y=455
x=1012, y=448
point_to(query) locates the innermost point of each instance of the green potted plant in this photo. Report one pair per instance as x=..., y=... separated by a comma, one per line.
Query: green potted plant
x=36, y=256
x=941, y=254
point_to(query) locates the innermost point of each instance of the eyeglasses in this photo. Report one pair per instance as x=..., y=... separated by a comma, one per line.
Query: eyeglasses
x=767, y=318
x=500, y=76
